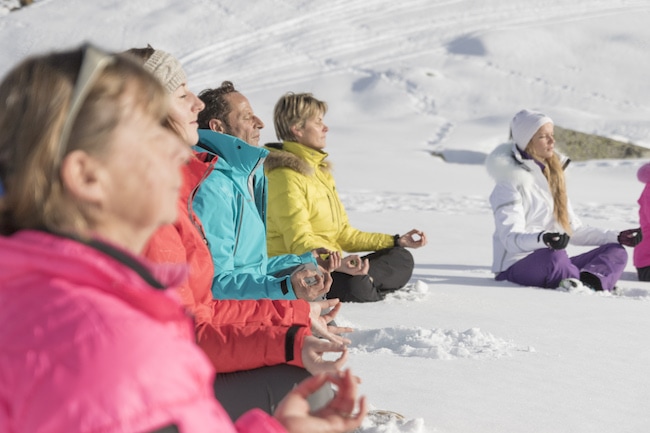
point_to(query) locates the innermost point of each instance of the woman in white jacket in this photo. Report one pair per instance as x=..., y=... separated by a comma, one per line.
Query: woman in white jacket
x=534, y=221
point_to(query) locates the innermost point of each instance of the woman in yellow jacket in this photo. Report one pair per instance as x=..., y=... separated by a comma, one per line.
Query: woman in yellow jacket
x=305, y=212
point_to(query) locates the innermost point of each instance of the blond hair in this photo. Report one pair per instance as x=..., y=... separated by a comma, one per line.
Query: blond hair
x=554, y=174
x=35, y=98
x=294, y=109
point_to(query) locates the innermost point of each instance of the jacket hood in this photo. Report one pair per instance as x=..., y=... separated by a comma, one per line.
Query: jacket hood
x=506, y=163
x=237, y=153
x=29, y=255
x=295, y=156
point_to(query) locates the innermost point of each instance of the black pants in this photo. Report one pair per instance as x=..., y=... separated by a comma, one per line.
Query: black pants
x=390, y=269
x=644, y=273
x=263, y=388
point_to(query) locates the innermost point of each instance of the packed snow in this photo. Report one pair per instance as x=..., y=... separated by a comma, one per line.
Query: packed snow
x=454, y=351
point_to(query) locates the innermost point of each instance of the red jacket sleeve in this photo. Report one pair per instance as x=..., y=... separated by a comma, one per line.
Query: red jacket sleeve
x=236, y=335
x=242, y=335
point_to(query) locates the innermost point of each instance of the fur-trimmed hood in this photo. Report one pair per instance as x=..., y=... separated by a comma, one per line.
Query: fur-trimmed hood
x=296, y=157
x=507, y=164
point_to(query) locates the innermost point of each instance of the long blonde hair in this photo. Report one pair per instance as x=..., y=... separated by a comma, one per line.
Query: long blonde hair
x=554, y=174
x=35, y=98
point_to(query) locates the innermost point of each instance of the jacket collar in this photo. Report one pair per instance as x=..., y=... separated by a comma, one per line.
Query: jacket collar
x=237, y=153
x=520, y=156
x=297, y=157
x=313, y=156
x=195, y=171
x=92, y=263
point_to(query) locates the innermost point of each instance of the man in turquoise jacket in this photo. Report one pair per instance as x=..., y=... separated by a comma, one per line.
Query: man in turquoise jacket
x=231, y=204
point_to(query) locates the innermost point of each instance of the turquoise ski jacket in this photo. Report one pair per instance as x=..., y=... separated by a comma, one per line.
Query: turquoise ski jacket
x=231, y=205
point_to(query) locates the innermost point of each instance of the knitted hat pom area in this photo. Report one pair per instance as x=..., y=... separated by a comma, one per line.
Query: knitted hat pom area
x=167, y=69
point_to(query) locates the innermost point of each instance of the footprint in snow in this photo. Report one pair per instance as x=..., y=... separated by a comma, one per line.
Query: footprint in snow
x=432, y=343
x=411, y=292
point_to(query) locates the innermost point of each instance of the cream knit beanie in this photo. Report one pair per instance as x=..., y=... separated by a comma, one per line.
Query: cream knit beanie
x=166, y=69
x=525, y=124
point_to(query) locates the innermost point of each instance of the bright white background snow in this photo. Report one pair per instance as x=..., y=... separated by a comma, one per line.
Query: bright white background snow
x=456, y=351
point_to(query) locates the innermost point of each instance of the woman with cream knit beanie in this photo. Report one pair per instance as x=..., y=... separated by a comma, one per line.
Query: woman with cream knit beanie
x=262, y=350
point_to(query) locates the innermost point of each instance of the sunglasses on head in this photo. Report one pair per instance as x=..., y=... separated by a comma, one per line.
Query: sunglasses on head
x=93, y=63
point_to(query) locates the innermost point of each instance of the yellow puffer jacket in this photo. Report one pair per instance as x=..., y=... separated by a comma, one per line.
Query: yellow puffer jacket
x=304, y=210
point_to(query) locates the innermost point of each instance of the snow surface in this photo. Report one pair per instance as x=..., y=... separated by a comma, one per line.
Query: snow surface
x=455, y=351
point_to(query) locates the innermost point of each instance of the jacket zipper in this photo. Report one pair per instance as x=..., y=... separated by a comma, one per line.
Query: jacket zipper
x=330, y=199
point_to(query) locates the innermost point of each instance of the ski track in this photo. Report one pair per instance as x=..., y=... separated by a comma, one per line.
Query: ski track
x=380, y=201
x=338, y=25
x=304, y=40
x=353, y=36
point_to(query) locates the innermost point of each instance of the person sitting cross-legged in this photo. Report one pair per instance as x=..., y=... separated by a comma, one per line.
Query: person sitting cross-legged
x=231, y=204
x=305, y=211
x=534, y=220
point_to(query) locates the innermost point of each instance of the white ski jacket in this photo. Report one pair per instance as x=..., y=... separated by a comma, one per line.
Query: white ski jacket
x=522, y=205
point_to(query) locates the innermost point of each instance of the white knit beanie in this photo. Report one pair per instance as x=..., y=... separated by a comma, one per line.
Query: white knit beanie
x=167, y=69
x=525, y=124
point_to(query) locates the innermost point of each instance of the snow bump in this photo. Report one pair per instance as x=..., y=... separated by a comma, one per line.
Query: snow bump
x=443, y=344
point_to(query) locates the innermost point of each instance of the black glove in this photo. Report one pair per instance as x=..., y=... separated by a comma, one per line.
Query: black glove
x=557, y=241
x=631, y=237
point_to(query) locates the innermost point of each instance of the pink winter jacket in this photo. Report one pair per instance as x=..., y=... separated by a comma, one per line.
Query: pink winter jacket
x=642, y=251
x=91, y=342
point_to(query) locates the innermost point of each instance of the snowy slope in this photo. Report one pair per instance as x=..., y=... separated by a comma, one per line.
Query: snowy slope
x=456, y=351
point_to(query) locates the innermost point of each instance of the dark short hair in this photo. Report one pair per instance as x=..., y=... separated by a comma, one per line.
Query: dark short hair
x=216, y=104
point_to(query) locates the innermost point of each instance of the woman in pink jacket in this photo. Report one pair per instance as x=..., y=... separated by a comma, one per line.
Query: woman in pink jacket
x=642, y=251
x=91, y=339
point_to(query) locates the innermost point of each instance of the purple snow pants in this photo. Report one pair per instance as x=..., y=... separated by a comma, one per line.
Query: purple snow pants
x=547, y=267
